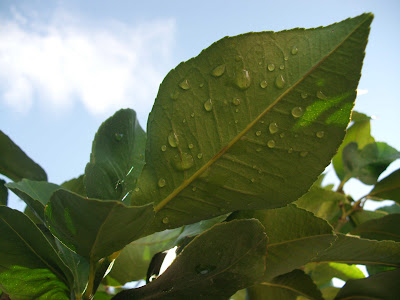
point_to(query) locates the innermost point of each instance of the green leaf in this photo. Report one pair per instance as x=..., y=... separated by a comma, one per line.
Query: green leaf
x=3, y=193
x=286, y=287
x=385, y=228
x=387, y=188
x=112, y=224
x=383, y=285
x=228, y=257
x=293, y=243
x=323, y=203
x=368, y=163
x=226, y=134
x=75, y=185
x=117, y=157
x=26, y=283
x=354, y=250
x=36, y=194
x=24, y=246
x=15, y=164
x=330, y=292
x=392, y=209
x=239, y=295
x=322, y=273
x=359, y=217
x=360, y=133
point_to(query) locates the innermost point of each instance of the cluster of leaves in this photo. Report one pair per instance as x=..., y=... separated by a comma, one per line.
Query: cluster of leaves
x=229, y=172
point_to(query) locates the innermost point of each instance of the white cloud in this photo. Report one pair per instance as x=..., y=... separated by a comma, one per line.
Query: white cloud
x=107, y=65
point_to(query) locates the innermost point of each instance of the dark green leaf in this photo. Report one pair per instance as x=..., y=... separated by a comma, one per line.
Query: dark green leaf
x=226, y=134
x=24, y=246
x=286, y=287
x=228, y=257
x=15, y=164
x=354, y=250
x=360, y=133
x=117, y=157
x=385, y=228
x=383, y=285
x=3, y=193
x=368, y=163
x=112, y=224
x=392, y=209
x=295, y=237
x=361, y=216
x=75, y=185
x=36, y=194
x=322, y=273
x=374, y=269
x=387, y=188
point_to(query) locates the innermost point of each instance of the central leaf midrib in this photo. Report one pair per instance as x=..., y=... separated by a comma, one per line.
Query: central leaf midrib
x=188, y=181
x=286, y=287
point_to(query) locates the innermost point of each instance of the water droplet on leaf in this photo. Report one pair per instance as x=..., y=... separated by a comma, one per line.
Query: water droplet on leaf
x=280, y=81
x=183, y=161
x=174, y=95
x=165, y=220
x=303, y=153
x=304, y=95
x=271, y=67
x=290, y=150
x=163, y=148
x=273, y=128
x=194, y=189
x=190, y=146
x=118, y=136
x=204, y=269
x=173, y=139
x=297, y=112
x=236, y=101
x=320, y=134
x=258, y=133
x=263, y=84
x=184, y=85
x=282, y=67
x=320, y=95
x=294, y=50
x=243, y=79
x=161, y=182
x=200, y=155
x=271, y=144
x=218, y=71
x=208, y=105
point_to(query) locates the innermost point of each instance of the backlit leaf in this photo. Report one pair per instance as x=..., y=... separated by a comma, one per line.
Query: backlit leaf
x=387, y=188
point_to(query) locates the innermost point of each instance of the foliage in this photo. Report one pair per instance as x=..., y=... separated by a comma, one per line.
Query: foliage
x=229, y=173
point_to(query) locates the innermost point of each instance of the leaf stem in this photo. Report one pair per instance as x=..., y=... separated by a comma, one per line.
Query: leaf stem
x=358, y=205
x=88, y=295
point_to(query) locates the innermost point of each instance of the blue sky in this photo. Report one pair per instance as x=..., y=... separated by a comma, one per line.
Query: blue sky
x=65, y=66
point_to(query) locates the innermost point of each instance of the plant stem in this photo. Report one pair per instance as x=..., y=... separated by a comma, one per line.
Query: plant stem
x=88, y=295
x=345, y=214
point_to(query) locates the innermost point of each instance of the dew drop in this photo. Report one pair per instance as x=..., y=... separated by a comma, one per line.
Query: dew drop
x=136, y=189
x=263, y=84
x=320, y=134
x=208, y=105
x=204, y=269
x=280, y=82
x=173, y=139
x=118, y=136
x=303, y=153
x=201, y=85
x=290, y=150
x=184, y=85
x=236, y=121
x=252, y=180
x=258, y=133
x=258, y=149
x=271, y=144
x=286, y=58
x=294, y=50
x=200, y=155
x=236, y=101
x=282, y=67
x=236, y=110
x=304, y=95
x=161, y=182
x=184, y=121
x=297, y=112
x=320, y=95
x=282, y=135
x=194, y=189
x=218, y=71
x=273, y=128
x=222, y=209
x=190, y=146
x=165, y=220
x=174, y=95
x=192, y=115
x=243, y=79
x=271, y=67
x=164, y=148
x=183, y=161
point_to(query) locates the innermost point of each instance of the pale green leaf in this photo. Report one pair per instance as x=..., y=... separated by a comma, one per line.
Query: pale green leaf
x=387, y=188
x=226, y=133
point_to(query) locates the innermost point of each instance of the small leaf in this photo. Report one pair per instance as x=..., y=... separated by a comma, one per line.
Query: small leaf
x=75, y=185
x=36, y=194
x=112, y=224
x=368, y=163
x=387, y=188
x=3, y=193
x=286, y=287
x=228, y=257
x=354, y=250
x=360, y=133
x=23, y=245
x=385, y=228
x=117, y=157
x=15, y=164
x=384, y=285
x=226, y=143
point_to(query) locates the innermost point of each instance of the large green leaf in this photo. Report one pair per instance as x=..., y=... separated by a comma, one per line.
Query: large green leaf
x=286, y=287
x=251, y=122
x=117, y=157
x=360, y=133
x=385, y=228
x=387, y=188
x=15, y=164
x=322, y=273
x=36, y=194
x=24, y=246
x=355, y=250
x=295, y=237
x=368, y=163
x=75, y=185
x=3, y=193
x=228, y=257
x=112, y=224
x=383, y=285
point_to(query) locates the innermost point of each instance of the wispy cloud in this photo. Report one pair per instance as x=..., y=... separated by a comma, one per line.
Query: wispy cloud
x=107, y=65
